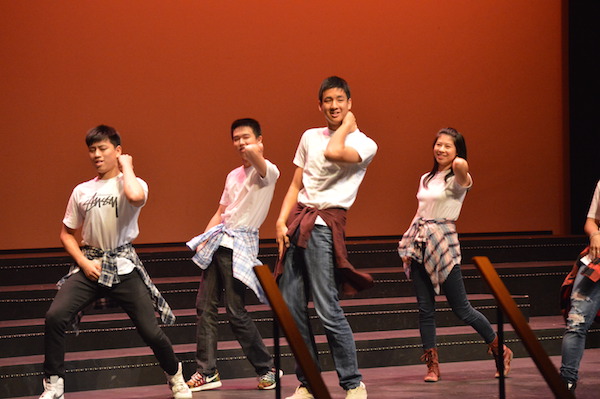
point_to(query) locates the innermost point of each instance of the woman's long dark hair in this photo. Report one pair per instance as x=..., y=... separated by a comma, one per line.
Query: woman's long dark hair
x=461, y=151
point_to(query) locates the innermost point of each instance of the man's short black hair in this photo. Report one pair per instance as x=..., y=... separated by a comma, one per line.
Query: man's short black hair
x=251, y=123
x=334, y=82
x=103, y=132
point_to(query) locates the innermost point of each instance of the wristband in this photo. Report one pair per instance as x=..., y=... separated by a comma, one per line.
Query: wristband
x=595, y=233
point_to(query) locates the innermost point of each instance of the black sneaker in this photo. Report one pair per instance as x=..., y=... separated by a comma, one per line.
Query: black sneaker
x=571, y=385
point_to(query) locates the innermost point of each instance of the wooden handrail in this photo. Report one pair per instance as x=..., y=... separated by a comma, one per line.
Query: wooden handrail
x=522, y=328
x=291, y=332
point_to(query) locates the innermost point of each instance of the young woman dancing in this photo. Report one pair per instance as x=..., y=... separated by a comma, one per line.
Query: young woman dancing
x=430, y=250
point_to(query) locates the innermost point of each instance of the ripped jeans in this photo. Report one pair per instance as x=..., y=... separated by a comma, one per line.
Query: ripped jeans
x=585, y=302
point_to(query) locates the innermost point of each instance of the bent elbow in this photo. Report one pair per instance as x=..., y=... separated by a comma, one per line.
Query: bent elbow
x=333, y=156
x=137, y=200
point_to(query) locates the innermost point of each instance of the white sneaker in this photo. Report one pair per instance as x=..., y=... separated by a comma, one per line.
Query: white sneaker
x=301, y=393
x=360, y=392
x=54, y=388
x=178, y=386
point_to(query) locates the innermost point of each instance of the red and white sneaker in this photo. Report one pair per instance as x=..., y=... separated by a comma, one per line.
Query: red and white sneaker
x=201, y=382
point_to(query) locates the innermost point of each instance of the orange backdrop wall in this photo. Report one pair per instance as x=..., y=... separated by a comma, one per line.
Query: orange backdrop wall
x=172, y=75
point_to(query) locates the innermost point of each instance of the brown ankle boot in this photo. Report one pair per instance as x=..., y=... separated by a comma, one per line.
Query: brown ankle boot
x=508, y=355
x=433, y=366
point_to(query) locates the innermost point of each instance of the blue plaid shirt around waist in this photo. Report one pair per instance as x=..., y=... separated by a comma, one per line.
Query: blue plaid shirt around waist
x=245, y=253
x=109, y=275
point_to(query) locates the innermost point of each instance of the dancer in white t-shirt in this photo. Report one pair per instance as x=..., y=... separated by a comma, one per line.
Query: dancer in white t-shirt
x=106, y=210
x=227, y=252
x=430, y=249
x=331, y=162
x=584, y=281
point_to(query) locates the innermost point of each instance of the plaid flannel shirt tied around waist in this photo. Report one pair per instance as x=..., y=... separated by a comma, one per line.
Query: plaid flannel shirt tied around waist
x=245, y=253
x=433, y=243
x=109, y=275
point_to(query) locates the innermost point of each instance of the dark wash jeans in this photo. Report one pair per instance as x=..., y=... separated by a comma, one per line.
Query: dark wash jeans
x=313, y=270
x=454, y=289
x=131, y=294
x=216, y=280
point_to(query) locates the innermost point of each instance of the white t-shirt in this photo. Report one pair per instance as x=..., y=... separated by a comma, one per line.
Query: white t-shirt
x=328, y=184
x=247, y=197
x=107, y=218
x=441, y=199
x=594, y=212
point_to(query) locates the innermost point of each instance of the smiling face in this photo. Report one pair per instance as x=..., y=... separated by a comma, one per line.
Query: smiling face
x=335, y=104
x=104, y=156
x=444, y=151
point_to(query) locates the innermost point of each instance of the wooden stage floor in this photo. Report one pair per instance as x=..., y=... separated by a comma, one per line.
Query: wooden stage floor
x=459, y=380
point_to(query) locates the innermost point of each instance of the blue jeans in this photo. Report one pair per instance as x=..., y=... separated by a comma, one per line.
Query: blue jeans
x=312, y=270
x=585, y=303
x=454, y=289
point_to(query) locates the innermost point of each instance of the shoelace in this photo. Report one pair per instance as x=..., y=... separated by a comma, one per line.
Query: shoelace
x=199, y=378
x=269, y=376
x=180, y=386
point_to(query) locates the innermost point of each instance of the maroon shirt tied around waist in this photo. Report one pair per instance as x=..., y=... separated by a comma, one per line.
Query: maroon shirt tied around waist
x=300, y=225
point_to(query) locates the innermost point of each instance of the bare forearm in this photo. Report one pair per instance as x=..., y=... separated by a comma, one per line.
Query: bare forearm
x=216, y=219
x=132, y=188
x=336, y=150
x=281, y=230
x=291, y=197
x=461, y=171
x=337, y=144
x=91, y=269
x=257, y=160
x=289, y=201
x=72, y=246
x=591, y=227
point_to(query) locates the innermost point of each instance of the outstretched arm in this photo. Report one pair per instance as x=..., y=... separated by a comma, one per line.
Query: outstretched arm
x=253, y=153
x=90, y=268
x=132, y=187
x=289, y=201
x=336, y=150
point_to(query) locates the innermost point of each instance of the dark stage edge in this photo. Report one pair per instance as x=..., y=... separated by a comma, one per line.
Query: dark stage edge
x=459, y=380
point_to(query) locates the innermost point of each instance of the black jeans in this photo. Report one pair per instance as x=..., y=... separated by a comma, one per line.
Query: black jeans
x=131, y=294
x=454, y=289
x=216, y=279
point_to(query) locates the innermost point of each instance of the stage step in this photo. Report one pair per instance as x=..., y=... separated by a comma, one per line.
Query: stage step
x=472, y=379
x=48, y=266
x=111, y=331
x=137, y=366
x=109, y=353
x=33, y=300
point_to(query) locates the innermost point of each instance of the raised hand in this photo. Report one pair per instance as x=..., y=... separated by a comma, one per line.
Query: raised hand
x=350, y=121
x=125, y=161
